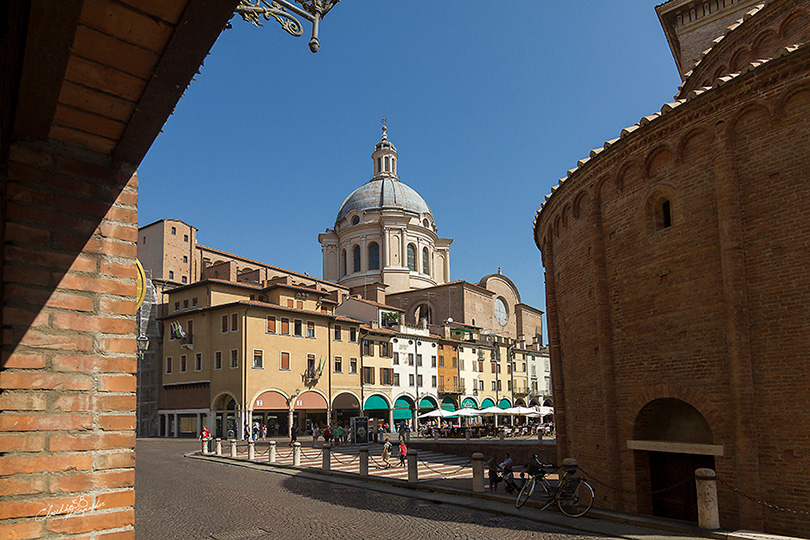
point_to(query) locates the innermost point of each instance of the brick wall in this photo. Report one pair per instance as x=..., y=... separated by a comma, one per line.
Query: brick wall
x=68, y=360
x=712, y=311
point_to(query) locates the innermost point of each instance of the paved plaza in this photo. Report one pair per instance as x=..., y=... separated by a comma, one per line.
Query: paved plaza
x=180, y=498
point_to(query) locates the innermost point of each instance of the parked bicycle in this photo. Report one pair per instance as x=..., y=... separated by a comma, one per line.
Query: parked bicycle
x=573, y=495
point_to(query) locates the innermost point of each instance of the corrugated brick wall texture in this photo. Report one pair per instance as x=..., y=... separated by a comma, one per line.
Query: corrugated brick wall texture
x=713, y=311
x=67, y=387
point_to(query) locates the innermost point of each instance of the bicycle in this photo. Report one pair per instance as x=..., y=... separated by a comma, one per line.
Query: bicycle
x=573, y=495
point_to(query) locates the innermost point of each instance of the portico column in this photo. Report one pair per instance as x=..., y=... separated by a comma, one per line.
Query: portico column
x=290, y=423
x=391, y=416
x=175, y=425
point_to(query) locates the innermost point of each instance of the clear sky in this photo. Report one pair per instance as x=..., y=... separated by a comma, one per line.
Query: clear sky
x=488, y=104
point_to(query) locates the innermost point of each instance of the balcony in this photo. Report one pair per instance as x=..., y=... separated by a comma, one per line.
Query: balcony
x=446, y=387
x=311, y=375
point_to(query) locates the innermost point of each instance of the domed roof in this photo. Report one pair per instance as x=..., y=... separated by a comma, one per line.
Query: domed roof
x=383, y=194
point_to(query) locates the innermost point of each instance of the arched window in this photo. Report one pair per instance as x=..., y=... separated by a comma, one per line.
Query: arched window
x=387, y=163
x=356, y=256
x=663, y=214
x=411, y=257
x=425, y=261
x=374, y=256
x=379, y=164
x=355, y=220
x=343, y=271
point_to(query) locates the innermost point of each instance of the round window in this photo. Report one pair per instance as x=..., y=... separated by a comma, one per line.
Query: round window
x=355, y=220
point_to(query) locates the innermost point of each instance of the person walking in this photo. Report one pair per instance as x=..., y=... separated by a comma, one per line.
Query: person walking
x=338, y=434
x=403, y=453
x=386, y=453
x=494, y=477
x=293, y=434
x=315, y=435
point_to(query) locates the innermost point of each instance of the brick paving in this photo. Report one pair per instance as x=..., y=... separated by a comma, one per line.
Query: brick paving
x=179, y=498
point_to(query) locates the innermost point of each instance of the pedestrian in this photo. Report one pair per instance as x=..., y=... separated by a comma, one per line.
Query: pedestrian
x=338, y=434
x=403, y=452
x=205, y=434
x=264, y=431
x=494, y=477
x=315, y=435
x=327, y=434
x=293, y=434
x=386, y=453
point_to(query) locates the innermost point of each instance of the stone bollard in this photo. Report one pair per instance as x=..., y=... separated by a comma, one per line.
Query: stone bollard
x=233, y=447
x=435, y=434
x=327, y=457
x=467, y=434
x=296, y=454
x=478, y=472
x=407, y=436
x=413, y=473
x=708, y=514
x=204, y=448
x=502, y=433
x=219, y=446
x=271, y=455
x=539, y=435
x=251, y=450
x=364, y=460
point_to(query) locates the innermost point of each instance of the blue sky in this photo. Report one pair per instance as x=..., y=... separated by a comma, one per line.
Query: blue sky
x=488, y=104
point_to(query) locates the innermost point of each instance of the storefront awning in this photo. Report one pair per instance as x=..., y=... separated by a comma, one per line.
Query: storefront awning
x=376, y=403
x=469, y=403
x=504, y=404
x=448, y=405
x=487, y=403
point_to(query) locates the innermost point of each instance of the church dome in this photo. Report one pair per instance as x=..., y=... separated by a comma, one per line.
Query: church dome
x=383, y=194
x=384, y=191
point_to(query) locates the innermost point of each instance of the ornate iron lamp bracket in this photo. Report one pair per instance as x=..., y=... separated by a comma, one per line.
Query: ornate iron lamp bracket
x=283, y=12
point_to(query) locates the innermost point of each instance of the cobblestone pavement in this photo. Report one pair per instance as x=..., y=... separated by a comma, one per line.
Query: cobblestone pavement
x=179, y=498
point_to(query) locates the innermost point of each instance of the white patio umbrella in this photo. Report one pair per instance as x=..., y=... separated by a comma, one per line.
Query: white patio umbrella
x=520, y=410
x=468, y=412
x=492, y=410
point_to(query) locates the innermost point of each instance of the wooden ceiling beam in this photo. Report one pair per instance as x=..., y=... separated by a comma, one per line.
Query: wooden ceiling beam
x=195, y=34
x=51, y=30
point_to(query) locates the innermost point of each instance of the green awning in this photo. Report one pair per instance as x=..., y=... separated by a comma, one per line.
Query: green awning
x=427, y=403
x=448, y=405
x=487, y=403
x=469, y=403
x=376, y=403
x=504, y=404
x=403, y=403
x=402, y=414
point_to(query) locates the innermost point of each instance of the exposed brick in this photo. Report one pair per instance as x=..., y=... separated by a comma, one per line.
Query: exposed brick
x=115, y=460
x=117, y=423
x=74, y=302
x=22, y=485
x=93, y=363
x=121, y=535
x=76, y=443
x=27, y=235
x=115, y=306
x=117, y=345
x=42, y=340
x=38, y=380
x=21, y=530
x=96, y=284
x=115, y=403
x=22, y=401
x=28, y=442
x=43, y=422
x=117, y=383
x=91, y=480
x=92, y=323
x=116, y=499
x=23, y=360
x=95, y=521
x=36, y=464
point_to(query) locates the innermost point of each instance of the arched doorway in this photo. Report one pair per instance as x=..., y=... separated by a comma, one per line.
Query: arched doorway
x=376, y=407
x=224, y=407
x=403, y=411
x=309, y=408
x=344, y=407
x=271, y=409
x=672, y=439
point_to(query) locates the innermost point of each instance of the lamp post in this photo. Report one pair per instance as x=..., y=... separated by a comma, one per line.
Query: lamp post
x=416, y=344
